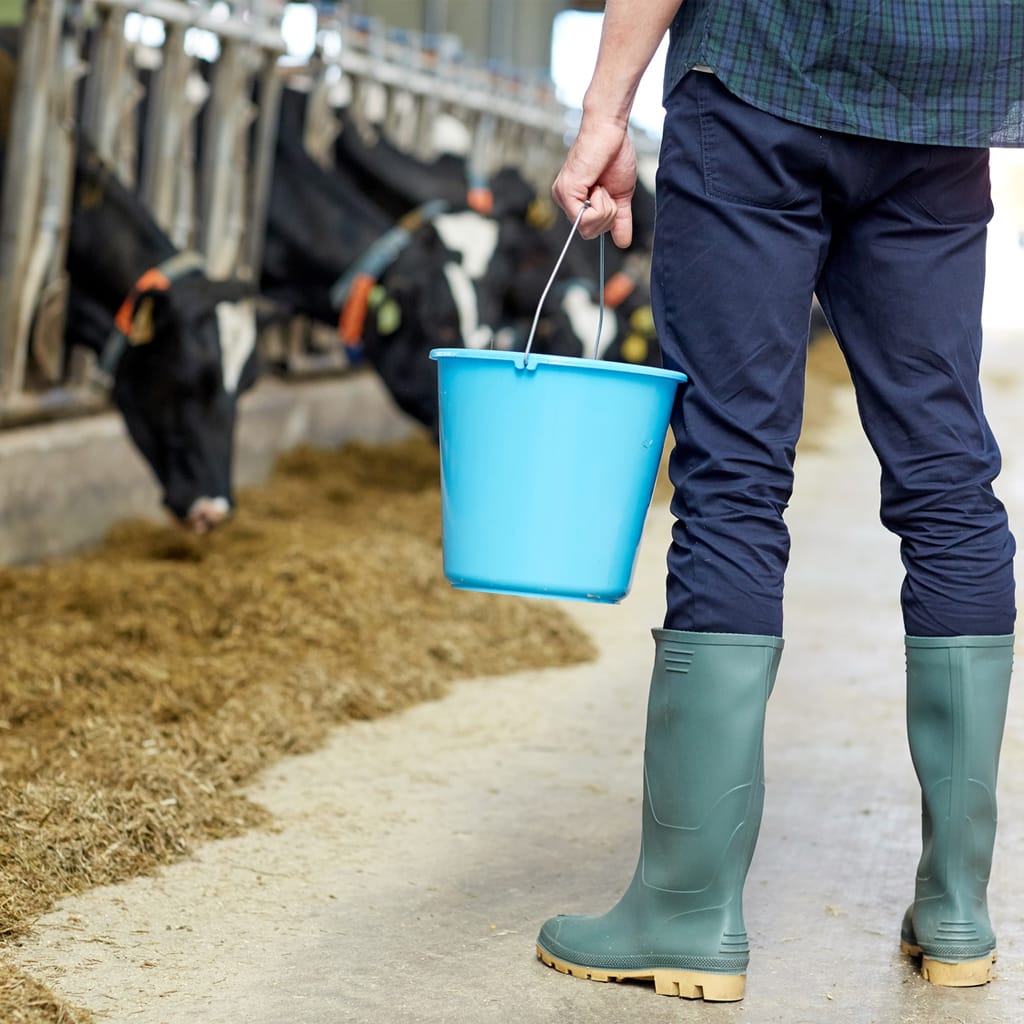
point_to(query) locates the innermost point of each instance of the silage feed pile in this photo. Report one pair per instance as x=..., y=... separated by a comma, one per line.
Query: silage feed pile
x=146, y=682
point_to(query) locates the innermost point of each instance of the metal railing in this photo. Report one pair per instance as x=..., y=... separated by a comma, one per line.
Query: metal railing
x=201, y=158
x=508, y=113
x=77, y=66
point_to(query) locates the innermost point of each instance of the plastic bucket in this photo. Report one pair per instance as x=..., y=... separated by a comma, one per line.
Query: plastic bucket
x=548, y=466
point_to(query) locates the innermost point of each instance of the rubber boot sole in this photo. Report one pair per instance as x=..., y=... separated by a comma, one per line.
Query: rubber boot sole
x=967, y=974
x=712, y=988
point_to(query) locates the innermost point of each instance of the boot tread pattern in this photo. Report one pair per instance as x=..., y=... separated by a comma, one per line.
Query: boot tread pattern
x=715, y=988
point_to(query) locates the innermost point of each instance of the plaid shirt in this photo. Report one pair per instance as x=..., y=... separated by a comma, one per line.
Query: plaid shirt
x=942, y=72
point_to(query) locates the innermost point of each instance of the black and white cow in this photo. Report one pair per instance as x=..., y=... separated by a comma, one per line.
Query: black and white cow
x=179, y=347
x=398, y=181
x=452, y=281
x=332, y=254
x=508, y=256
x=511, y=258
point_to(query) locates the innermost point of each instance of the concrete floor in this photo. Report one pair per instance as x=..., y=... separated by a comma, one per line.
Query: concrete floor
x=416, y=856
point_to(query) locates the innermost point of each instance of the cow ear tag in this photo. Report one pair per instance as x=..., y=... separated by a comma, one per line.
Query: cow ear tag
x=141, y=332
x=541, y=213
x=635, y=348
x=389, y=317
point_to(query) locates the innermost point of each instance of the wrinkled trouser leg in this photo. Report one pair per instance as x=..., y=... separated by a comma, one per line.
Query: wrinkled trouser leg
x=754, y=213
x=738, y=245
x=902, y=287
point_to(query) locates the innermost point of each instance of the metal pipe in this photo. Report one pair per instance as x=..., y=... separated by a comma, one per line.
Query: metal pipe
x=262, y=169
x=24, y=174
x=168, y=120
x=267, y=36
x=23, y=409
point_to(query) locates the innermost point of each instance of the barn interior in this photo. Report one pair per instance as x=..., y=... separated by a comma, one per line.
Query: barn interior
x=219, y=722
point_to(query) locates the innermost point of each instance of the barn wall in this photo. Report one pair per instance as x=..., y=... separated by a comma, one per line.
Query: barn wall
x=516, y=32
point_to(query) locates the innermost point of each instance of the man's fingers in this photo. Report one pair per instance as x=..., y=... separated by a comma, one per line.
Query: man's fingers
x=605, y=214
x=600, y=216
x=622, y=229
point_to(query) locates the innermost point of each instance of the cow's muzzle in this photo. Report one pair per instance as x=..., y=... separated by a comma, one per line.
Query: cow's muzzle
x=206, y=513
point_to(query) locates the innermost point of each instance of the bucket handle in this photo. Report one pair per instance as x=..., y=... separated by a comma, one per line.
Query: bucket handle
x=551, y=281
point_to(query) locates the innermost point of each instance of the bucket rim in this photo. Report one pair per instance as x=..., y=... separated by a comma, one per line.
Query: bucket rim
x=534, y=359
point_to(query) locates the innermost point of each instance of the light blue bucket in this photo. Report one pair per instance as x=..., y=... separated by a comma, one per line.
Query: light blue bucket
x=548, y=466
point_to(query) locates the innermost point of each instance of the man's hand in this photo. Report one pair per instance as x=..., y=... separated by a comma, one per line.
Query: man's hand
x=601, y=167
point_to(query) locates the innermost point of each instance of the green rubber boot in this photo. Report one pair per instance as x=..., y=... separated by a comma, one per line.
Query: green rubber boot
x=957, y=690
x=680, y=922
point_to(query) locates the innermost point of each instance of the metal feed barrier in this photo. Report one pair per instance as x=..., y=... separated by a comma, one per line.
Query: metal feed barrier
x=204, y=161
x=406, y=81
x=402, y=85
x=214, y=205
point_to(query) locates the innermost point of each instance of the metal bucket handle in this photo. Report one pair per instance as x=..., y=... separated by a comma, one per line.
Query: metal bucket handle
x=551, y=279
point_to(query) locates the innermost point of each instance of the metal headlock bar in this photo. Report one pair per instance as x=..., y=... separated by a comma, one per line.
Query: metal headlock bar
x=210, y=194
x=215, y=204
x=410, y=78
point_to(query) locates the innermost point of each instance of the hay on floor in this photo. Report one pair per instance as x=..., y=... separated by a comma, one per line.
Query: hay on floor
x=23, y=1000
x=145, y=683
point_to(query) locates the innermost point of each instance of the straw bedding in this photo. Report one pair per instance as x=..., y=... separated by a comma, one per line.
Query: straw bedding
x=146, y=682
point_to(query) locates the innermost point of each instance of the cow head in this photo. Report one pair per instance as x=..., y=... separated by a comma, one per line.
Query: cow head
x=179, y=347
x=178, y=392
x=190, y=352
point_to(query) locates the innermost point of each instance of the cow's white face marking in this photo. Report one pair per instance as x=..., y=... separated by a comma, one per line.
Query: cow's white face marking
x=236, y=322
x=450, y=135
x=206, y=513
x=584, y=313
x=473, y=237
x=506, y=339
x=474, y=334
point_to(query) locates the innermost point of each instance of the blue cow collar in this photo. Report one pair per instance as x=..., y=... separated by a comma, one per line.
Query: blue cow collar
x=350, y=293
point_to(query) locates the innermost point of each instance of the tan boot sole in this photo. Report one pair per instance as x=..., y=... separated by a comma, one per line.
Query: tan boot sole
x=713, y=988
x=961, y=975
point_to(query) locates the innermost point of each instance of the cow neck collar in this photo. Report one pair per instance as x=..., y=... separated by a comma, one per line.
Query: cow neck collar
x=351, y=292
x=158, y=278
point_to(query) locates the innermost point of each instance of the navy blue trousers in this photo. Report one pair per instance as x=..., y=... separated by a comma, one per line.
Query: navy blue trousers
x=756, y=215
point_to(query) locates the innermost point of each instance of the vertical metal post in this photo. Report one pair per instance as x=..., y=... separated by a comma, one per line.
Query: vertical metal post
x=107, y=87
x=500, y=29
x=222, y=178
x=45, y=290
x=435, y=16
x=168, y=122
x=24, y=173
x=261, y=167
x=481, y=161
x=321, y=127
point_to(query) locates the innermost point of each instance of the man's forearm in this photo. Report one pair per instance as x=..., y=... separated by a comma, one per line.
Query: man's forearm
x=630, y=34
